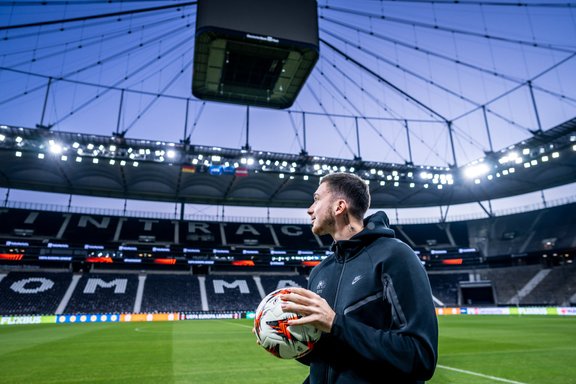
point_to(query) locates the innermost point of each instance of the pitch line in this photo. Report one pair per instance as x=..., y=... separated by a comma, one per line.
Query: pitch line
x=480, y=375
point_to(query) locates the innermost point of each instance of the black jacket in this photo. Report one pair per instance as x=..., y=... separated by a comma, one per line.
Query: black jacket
x=385, y=330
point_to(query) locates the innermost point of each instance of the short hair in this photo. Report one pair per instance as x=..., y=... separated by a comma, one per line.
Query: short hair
x=352, y=188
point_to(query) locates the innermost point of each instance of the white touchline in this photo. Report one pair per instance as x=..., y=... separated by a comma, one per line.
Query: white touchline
x=480, y=374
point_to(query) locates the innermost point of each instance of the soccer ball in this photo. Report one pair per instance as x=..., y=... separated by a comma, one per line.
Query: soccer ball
x=276, y=336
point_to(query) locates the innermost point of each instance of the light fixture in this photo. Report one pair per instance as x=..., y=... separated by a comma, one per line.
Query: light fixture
x=473, y=171
x=55, y=148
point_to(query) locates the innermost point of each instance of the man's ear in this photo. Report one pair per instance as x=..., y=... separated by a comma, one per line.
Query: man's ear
x=341, y=207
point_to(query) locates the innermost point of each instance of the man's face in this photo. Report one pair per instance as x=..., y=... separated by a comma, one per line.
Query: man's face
x=321, y=212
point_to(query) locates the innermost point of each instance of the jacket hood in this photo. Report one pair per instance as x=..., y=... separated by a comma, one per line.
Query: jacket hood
x=376, y=225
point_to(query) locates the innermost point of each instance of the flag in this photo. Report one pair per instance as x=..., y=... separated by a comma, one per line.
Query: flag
x=215, y=170
x=241, y=172
x=188, y=169
x=229, y=170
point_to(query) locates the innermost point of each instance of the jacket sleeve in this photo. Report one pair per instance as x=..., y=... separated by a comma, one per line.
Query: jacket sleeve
x=411, y=345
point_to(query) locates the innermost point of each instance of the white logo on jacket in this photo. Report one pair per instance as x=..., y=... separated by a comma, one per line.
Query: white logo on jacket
x=320, y=287
x=357, y=279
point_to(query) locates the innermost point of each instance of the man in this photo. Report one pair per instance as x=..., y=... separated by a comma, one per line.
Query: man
x=371, y=298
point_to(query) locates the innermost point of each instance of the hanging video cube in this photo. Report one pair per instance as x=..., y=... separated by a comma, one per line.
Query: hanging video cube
x=254, y=52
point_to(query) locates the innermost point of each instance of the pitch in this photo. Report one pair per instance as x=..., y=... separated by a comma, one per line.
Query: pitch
x=473, y=350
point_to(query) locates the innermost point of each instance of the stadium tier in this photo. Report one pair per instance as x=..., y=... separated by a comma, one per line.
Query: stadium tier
x=33, y=235
x=25, y=293
x=33, y=292
x=524, y=232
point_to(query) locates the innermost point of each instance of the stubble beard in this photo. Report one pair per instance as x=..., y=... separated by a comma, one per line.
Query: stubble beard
x=326, y=227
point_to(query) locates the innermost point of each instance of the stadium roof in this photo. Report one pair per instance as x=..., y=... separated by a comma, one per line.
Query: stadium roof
x=435, y=102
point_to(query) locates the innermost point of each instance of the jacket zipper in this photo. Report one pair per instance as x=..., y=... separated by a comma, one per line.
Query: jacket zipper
x=329, y=371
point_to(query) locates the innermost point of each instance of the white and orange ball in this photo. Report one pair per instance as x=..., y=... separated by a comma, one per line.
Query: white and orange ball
x=276, y=336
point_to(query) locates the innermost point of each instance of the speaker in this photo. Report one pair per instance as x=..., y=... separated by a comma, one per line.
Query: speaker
x=254, y=52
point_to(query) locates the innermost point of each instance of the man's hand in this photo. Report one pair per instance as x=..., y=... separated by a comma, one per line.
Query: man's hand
x=314, y=309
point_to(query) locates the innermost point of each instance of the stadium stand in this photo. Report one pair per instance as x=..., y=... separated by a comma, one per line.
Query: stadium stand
x=29, y=224
x=508, y=281
x=200, y=234
x=445, y=286
x=88, y=228
x=138, y=230
x=556, y=288
x=170, y=292
x=271, y=283
x=424, y=235
x=104, y=293
x=542, y=230
x=293, y=236
x=232, y=292
x=28, y=293
x=255, y=235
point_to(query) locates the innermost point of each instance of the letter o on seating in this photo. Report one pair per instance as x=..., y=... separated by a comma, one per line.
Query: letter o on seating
x=32, y=285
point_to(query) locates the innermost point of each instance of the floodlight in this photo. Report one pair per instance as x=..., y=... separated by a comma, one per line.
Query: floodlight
x=476, y=170
x=55, y=148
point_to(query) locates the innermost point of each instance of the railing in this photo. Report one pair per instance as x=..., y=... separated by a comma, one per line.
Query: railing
x=260, y=220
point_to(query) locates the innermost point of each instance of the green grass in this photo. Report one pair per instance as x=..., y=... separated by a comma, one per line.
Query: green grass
x=527, y=349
